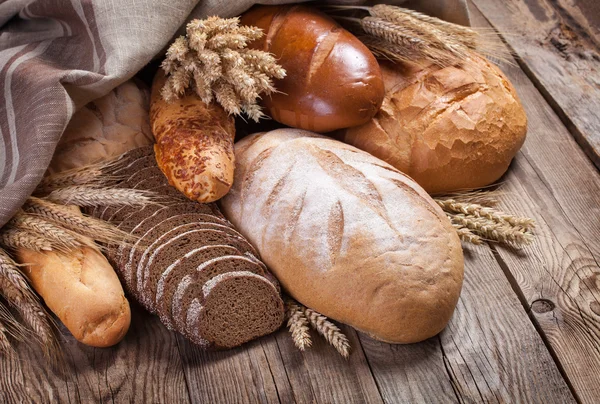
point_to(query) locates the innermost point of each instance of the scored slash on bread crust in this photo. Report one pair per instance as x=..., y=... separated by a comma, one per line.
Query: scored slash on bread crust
x=180, y=239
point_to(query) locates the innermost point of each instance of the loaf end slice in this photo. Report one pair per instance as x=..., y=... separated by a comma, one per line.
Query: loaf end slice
x=237, y=307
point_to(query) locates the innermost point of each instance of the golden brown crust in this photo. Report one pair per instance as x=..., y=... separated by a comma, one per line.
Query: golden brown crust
x=449, y=129
x=84, y=292
x=332, y=82
x=105, y=128
x=194, y=144
x=347, y=234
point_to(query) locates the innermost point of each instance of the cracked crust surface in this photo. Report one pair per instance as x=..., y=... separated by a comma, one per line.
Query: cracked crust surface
x=448, y=128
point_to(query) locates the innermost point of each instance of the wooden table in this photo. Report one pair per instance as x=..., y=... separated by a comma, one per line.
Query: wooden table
x=527, y=326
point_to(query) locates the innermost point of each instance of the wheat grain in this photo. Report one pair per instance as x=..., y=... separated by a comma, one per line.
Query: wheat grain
x=330, y=331
x=85, y=196
x=467, y=235
x=298, y=325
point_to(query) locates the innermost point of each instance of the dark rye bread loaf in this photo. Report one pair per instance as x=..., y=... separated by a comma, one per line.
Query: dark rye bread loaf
x=233, y=308
x=180, y=239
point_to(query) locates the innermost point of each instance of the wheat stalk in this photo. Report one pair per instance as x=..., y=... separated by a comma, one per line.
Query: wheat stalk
x=93, y=228
x=298, y=325
x=426, y=38
x=330, y=331
x=17, y=292
x=85, y=196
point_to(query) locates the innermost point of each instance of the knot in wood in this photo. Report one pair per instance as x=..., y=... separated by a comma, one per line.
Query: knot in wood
x=542, y=306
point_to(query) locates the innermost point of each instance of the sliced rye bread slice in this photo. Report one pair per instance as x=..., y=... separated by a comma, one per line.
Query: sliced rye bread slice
x=175, y=245
x=129, y=257
x=190, y=286
x=172, y=275
x=177, y=225
x=234, y=308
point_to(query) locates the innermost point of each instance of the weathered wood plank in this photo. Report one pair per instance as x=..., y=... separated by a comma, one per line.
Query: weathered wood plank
x=321, y=375
x=558, y=276
x=144, y=367
x=239, y=375
x=490, y=351
x=558, y=42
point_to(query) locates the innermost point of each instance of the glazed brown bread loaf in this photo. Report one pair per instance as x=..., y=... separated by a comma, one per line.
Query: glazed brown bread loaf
x=332, y=81
x=448, y=128
x=190, y=266
x=84, y=292
x=105, y=128
x=194, y=144
x=347, y=234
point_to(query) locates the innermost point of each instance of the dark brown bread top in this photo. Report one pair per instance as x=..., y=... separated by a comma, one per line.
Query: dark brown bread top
x=172, y=275
x=221, y=321
x=191, y=285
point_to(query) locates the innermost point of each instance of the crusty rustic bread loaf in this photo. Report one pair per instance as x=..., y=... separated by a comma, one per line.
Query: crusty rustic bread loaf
x=82, y=289
x=194, y=143
x=347, y=234
x=448, y=128
x=105, y=128
x=182, y=240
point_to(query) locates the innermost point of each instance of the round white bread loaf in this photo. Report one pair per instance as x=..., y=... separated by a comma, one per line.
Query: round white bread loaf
x=347, y=234
x=105, y=128
x=448, y=128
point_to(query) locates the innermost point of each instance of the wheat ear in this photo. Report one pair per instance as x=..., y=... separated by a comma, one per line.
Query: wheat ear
x=473, y=209
x=85, y=196
x=330, y=331
x=298, y=325
x=467, y=235
x=5, y=347
x=492, y=230
x=59, y=238
x=17, y=238
x=93, y=228
x=17, y=292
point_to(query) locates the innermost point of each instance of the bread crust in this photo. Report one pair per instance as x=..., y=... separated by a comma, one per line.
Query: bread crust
x=194, y=144
x=333, y=81
x=347, y=234
x=84, y=292
x=448, y=128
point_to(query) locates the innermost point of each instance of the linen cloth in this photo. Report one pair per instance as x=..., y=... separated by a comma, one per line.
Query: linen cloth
x=58, y=55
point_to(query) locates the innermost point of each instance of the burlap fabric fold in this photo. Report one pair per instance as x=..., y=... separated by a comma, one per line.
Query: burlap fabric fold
x=57, y=55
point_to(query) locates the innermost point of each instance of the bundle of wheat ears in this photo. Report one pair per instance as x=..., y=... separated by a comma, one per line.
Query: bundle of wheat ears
x=213, y=59
x=404, y=35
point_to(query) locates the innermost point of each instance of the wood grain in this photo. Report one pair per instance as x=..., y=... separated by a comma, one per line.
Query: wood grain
x=558, y=43
x=558, y=277
x=490, y=351
x=144, y=367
